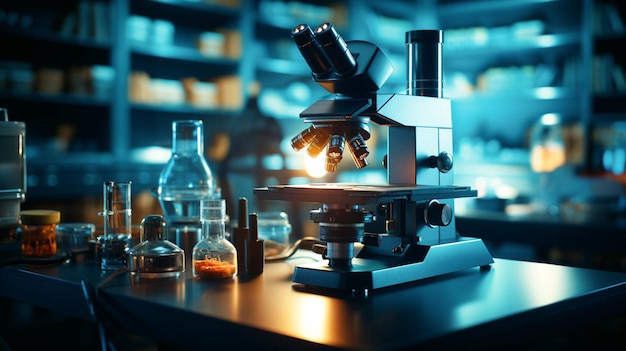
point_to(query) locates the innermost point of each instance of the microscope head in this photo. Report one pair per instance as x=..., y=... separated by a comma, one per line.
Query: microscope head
x=357, y=70
x=353, y=74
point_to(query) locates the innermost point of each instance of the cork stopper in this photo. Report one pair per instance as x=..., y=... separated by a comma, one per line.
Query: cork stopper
x=38, y=217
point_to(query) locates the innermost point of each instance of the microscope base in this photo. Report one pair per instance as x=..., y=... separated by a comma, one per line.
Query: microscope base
x=419, y=261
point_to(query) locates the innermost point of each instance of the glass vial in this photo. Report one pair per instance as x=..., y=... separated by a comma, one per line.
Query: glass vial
x=117, y=235
x=214, y=256
x=155, y=256
x=186, y=179
x=39, y=238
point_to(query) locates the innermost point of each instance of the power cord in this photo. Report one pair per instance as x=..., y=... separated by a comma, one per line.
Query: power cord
x=306, y=242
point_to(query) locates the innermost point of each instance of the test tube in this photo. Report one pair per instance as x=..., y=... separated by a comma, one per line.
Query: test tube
x=116, y=239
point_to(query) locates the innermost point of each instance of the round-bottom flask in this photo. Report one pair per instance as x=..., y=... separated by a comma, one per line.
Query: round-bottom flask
x=155, y=257
x=214, y=256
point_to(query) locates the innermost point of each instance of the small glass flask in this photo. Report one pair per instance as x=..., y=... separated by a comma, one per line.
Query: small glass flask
x=214, y=256
x=155, y=256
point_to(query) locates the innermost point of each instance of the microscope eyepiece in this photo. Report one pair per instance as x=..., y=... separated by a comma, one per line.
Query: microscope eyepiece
x=312, y=52
x=335, y=49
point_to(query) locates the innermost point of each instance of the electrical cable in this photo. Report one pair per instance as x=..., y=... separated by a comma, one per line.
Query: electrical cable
x=291, y=250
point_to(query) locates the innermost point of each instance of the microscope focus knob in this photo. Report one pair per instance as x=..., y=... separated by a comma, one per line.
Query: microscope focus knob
x=437, y=214
x=443, y=162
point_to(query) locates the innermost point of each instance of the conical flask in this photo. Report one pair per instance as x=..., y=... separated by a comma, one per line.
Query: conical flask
x=186, y=179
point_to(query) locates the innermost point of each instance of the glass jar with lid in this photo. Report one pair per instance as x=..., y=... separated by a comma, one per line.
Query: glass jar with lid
x=155, y=256
x=39, y=238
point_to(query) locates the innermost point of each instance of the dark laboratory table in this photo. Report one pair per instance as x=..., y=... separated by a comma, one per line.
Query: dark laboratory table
x=510, y=303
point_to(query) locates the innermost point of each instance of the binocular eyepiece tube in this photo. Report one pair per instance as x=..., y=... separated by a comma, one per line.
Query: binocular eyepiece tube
x=324, y=50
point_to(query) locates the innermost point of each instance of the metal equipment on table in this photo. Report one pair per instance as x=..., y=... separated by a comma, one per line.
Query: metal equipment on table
x=378, y=236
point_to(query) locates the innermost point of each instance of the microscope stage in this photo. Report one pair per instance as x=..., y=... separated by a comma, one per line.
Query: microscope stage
x=358, y=194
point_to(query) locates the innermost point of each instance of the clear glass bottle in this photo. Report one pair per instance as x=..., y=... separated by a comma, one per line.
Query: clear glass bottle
x=155, y=256
x=186, y=179
x=214, y=256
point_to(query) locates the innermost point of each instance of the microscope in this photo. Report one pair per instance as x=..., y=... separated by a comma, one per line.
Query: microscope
x=377, y=236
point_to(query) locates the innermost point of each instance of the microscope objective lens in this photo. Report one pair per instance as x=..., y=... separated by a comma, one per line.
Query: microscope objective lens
x=303, y=139
x=358, y=147
x=319, y=142
x=336, y=145
x=358, y=150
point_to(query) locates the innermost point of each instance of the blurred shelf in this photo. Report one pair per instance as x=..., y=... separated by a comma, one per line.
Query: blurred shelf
x=56, y=99
x=557, y=94
x=180, y=53
x=184, y=109
x=281, y=66
x=461, y=8
x=184, y=9
x=48, y=37
x=74, y=159
x=514, y=46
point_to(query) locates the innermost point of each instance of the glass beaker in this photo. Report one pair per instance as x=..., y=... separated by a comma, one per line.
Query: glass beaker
x=117, y=236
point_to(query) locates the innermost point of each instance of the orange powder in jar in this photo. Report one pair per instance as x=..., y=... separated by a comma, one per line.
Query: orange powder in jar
x=39, y=236
x=212, y=268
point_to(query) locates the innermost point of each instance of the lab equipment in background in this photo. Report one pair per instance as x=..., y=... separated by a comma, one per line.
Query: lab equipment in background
x=155, y=256
x=275, y=230
x=214, y=256
x=613, y=141
x=547, y=144
x=74, y=238
x=117, y=237
x=39, y=236
x=12, y=175
x=380, y=236
x=185, y=181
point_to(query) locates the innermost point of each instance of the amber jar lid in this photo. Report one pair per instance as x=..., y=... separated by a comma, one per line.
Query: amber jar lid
x=31, y=217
